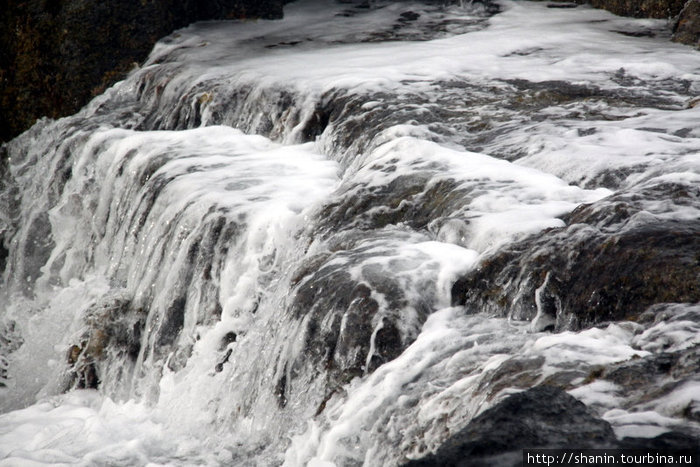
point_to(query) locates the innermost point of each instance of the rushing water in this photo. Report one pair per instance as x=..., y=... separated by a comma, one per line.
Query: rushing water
x=244, y=252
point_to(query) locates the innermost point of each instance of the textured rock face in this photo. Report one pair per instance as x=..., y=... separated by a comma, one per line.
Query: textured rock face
x=641, y=8
x=686, y=14
x=687, y=29
x=55, y=56
x=543, y=417
x=612, y=261
x=539, y=417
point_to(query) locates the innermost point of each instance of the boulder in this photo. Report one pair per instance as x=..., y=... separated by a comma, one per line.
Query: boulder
x=541, y=417
x=111, y=341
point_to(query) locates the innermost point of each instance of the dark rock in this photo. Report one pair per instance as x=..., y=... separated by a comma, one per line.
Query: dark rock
x=4, y=253
x=220, y=366
x=409, y=16
x=516, y=372
x=562, y=5
x=671, y=441
x=349, y=324
x=687, y=28
x=113, y=336
x=56, y=56
x=229, y=338
x=612, y=262
x=541, y=417
x=673, y=363
x=340, y=312
x=641, y=8
x=413, y=199
x=10, y=340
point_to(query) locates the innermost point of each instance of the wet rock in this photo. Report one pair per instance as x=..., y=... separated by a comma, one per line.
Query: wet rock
x=409, y=16
x=413, y=199
x=641, y=8
x=616, y=258
x=517, y=372
x=4, y=252
x=562, y=5
x=341, y=316
x=653, y=377
x=10, y=340
x=352, y=317
x=55, y=56
x=673, y=363
x=541, y=417
x=687, y=28
x=229, y=338
x=113, y=335
x=220, y=366
x=666, y=441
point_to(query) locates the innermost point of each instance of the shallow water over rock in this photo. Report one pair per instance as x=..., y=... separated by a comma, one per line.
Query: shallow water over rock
x=330, y=239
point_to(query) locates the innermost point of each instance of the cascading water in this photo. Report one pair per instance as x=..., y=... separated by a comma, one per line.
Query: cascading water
x=265, y=245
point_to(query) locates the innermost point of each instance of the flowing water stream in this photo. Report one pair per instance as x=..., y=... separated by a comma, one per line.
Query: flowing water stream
x=244, y=253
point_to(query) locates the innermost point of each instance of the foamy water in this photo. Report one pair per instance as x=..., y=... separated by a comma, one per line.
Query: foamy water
x=175, y=227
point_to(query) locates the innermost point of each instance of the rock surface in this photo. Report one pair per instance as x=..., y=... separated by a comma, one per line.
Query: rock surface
x=612, y=261
x=687, y=28
x=541, y=417
x=641, y=8
x=685, y=13
x=56, y=56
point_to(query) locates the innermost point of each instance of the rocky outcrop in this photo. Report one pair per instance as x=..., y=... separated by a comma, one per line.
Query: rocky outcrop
x=641, y=8
x=541, y=417
x=687, y=28
x=56, y=56
x=615, y=258
x=111, y=340
x=686, y=13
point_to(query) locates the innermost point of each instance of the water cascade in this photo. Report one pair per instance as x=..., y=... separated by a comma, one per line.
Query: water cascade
x=341, y=237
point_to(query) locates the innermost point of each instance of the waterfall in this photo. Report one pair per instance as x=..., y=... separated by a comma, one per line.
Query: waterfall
x=342, y=236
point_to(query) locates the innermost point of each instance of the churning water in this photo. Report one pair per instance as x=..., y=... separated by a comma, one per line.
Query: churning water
x=244, y=252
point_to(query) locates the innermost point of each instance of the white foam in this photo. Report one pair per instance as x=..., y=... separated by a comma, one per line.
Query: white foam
x=82, y=428
x=646, y=424
x=601, y=395
x=504, y=200
x=593, y=346
x=200, y=415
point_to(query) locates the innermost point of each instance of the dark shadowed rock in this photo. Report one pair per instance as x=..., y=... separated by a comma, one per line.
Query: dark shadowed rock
x=541, y=417
x=56, y=56
x=666, y=441
x=346, y=333
x=615, y=259
x=642, y=8
x=10, y=340
x=687, y=28
x=113, y=334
